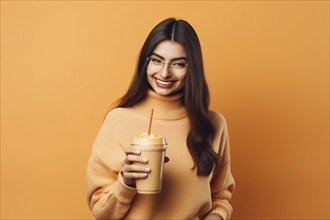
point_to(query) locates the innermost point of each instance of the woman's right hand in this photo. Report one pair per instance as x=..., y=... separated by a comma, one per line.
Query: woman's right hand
x=130, y=172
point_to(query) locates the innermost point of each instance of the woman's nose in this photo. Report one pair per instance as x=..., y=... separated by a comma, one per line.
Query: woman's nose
x=165, y=72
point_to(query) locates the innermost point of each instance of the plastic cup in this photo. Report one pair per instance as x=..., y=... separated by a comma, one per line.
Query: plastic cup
x=155, y=153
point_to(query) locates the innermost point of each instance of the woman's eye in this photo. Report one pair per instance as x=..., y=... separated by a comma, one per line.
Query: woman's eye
x=179, y=65
x=155, y=60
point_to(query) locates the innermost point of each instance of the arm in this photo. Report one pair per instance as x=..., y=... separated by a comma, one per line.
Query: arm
x=107, y=195
x=222, y=183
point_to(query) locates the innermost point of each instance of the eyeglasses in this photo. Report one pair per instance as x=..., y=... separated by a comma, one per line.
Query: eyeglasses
x=177, y=67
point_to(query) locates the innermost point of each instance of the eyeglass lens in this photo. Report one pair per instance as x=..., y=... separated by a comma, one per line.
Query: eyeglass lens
x=177, y=67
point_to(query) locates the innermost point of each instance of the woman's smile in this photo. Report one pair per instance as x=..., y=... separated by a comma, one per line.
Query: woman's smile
x=164, y=83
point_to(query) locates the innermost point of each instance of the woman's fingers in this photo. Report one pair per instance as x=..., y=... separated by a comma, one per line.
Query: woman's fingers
x=131, y=170
x=133, y=155
x=127, y=175
x=135, y=171
x=130, y=150
x=136, y=158
x=136, y=168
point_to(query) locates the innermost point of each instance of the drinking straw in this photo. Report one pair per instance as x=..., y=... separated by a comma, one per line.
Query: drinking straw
x=150, y=121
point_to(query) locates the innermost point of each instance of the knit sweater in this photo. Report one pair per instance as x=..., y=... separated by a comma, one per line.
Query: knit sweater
x=184, y=195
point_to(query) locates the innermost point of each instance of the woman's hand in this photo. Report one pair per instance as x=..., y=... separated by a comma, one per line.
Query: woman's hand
x=130, y=172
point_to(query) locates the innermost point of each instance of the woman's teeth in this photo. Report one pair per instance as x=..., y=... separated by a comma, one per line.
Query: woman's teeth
x=163, y=82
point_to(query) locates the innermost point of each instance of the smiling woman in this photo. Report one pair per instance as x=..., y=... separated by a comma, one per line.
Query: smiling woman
x=167, y=79
x=170, y=79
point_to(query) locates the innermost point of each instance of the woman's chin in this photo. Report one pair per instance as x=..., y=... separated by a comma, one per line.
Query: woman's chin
x=161, y=91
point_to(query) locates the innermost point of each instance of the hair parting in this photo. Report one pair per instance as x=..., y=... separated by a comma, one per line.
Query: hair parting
x=173, y=31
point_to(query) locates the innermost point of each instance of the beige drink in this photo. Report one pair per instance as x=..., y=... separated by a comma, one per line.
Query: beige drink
x=153, y=148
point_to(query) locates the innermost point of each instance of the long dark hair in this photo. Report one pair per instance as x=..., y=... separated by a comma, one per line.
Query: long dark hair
x=196, y=94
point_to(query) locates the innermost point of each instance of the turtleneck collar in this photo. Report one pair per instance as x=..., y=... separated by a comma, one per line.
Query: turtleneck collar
x=165, y=107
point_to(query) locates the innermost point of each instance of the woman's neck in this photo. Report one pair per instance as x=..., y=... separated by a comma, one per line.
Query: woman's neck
x=165, y=107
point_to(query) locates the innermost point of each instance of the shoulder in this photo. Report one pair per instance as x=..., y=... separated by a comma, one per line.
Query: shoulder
x=218, y=119
x=120, y=115
x=116, y=113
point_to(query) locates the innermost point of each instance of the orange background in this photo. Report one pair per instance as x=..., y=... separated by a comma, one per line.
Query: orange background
x=267, y=63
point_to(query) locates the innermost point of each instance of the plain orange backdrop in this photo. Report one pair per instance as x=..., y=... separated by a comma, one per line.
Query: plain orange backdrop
x=267, y=64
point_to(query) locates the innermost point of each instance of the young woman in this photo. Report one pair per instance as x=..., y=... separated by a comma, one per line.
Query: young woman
x=197, y=180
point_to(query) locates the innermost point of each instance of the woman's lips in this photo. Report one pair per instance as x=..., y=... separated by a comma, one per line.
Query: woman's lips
x=164, y=84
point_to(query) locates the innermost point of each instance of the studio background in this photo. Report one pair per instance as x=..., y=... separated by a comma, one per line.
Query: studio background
x=267, y=64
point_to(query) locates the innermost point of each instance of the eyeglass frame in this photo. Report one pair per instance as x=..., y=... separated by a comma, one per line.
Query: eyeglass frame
x=163, y=63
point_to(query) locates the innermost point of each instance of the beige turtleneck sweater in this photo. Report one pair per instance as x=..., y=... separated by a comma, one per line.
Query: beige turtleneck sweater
x=184, y=195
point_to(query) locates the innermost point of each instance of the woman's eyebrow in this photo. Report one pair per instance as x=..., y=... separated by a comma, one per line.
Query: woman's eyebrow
x=177, y=58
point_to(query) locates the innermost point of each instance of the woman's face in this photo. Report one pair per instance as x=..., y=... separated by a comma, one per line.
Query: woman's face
x=167, y=68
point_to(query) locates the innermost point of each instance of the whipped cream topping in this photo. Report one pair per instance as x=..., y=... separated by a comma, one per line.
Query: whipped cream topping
x=144, y=138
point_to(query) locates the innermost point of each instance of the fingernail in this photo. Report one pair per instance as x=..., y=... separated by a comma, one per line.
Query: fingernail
x=145, y=160
x=147, y=169
x=144, y=174
x=137, y=151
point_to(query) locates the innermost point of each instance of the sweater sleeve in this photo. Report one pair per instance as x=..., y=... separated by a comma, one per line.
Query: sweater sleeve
x=107, y=195
x=222, y=183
